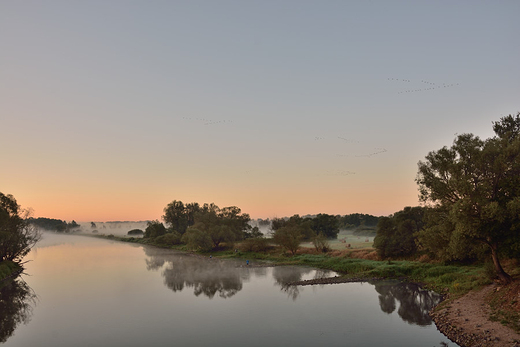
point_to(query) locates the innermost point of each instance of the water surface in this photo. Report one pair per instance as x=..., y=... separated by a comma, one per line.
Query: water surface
x=82, y=291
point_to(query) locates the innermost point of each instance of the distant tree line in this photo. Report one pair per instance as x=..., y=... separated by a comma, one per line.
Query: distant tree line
x=471, y=196
x=51, y=224
x=356, y=220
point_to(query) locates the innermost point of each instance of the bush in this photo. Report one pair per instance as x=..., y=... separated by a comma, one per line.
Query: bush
x=135, y=232
x=255, y=245
x=170, y=239
x=154, y=229
x=197, y=240
x=320, y=243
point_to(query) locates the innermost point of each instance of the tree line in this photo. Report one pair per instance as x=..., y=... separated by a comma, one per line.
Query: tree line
x=471, y=202
x=207, y=227
x=52, y=224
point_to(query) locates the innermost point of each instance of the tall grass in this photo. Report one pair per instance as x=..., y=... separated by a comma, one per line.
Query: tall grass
x=456, y=279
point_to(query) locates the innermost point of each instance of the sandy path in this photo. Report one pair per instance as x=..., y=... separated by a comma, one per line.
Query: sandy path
x=466, y=321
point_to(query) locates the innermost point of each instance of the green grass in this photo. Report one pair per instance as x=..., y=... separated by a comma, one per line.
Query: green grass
x=455, y=279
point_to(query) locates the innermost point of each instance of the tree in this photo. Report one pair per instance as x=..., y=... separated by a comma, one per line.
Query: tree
x=289, y=237
x=48, y=223
x=396, y=234
x=227, y=225
x=154, y=229
x=196, y=239
x=477, y=183
x=326, y=224
x=304, y=225
x=17, y=237
x=180, y=216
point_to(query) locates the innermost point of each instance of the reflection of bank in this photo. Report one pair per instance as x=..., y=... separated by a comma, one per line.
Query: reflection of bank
x=414, y=301
x=207, y=276
x=16, y=302
x=286, y=276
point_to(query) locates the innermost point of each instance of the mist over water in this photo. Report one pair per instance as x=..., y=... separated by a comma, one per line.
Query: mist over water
x=95, y=292
x=115, y=228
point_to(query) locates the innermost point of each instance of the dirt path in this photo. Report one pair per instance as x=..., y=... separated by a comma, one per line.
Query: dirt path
x=466, y=321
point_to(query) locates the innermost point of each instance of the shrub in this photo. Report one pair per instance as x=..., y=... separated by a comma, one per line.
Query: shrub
x=169, y=239
x=197, y=240
x=135, y=232
x=255, y=245
x=320, y=243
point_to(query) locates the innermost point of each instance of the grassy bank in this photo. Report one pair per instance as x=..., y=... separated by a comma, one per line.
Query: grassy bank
x=453, y=279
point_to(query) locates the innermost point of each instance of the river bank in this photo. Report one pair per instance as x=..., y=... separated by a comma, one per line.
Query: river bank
x=466, y=320
x=464, y=315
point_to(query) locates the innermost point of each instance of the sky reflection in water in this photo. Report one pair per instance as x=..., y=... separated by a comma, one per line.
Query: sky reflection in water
x=98, y=293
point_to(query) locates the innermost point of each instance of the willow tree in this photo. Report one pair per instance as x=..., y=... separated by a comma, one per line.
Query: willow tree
x=477, y=183
x=17, y=236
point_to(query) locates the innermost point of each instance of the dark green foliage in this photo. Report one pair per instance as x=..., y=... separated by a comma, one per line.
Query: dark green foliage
x=48, y=224
x=396, y=234
x=154, y=229
x=135, y=232
x=255, y=245
x=289, y=237
x=304, y=225
x=226, y=225
x=180, y=216
x=197, y=240
x=442, y=241
x=253, y=233
x=325, y=224
x=208, y=222
x=169, y=239
x=477, y=185
x=355, y=220
x=16, y=235
x=51, y=224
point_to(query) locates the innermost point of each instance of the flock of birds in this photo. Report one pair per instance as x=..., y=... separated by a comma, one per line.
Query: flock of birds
x=338, y=173
x=205, y=121
x=431, y=86
x=376, y=150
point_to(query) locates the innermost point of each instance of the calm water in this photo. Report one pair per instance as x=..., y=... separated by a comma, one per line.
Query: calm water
x=81, y=291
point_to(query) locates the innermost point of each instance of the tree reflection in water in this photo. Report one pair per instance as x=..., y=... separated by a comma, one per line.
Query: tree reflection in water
x=285, y=275
x=206, y=276
x=16, y=303
x=414, y=301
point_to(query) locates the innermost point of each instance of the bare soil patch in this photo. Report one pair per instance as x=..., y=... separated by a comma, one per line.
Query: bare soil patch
x=466, y=320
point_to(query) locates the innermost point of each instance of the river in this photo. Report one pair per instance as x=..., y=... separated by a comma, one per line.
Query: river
x=82, y=291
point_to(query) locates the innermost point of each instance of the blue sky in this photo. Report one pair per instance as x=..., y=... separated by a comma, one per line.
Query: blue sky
x=109, y=110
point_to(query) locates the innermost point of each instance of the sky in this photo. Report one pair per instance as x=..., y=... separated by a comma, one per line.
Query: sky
x=109, y=110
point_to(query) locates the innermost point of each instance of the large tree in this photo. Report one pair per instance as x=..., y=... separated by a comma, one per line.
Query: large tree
x=225, y=225
x=180, y=216
x=477, y=185
x=396, y=234
x=17, y=236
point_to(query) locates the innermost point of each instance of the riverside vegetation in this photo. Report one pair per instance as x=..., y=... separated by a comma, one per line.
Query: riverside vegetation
x=465, y=235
